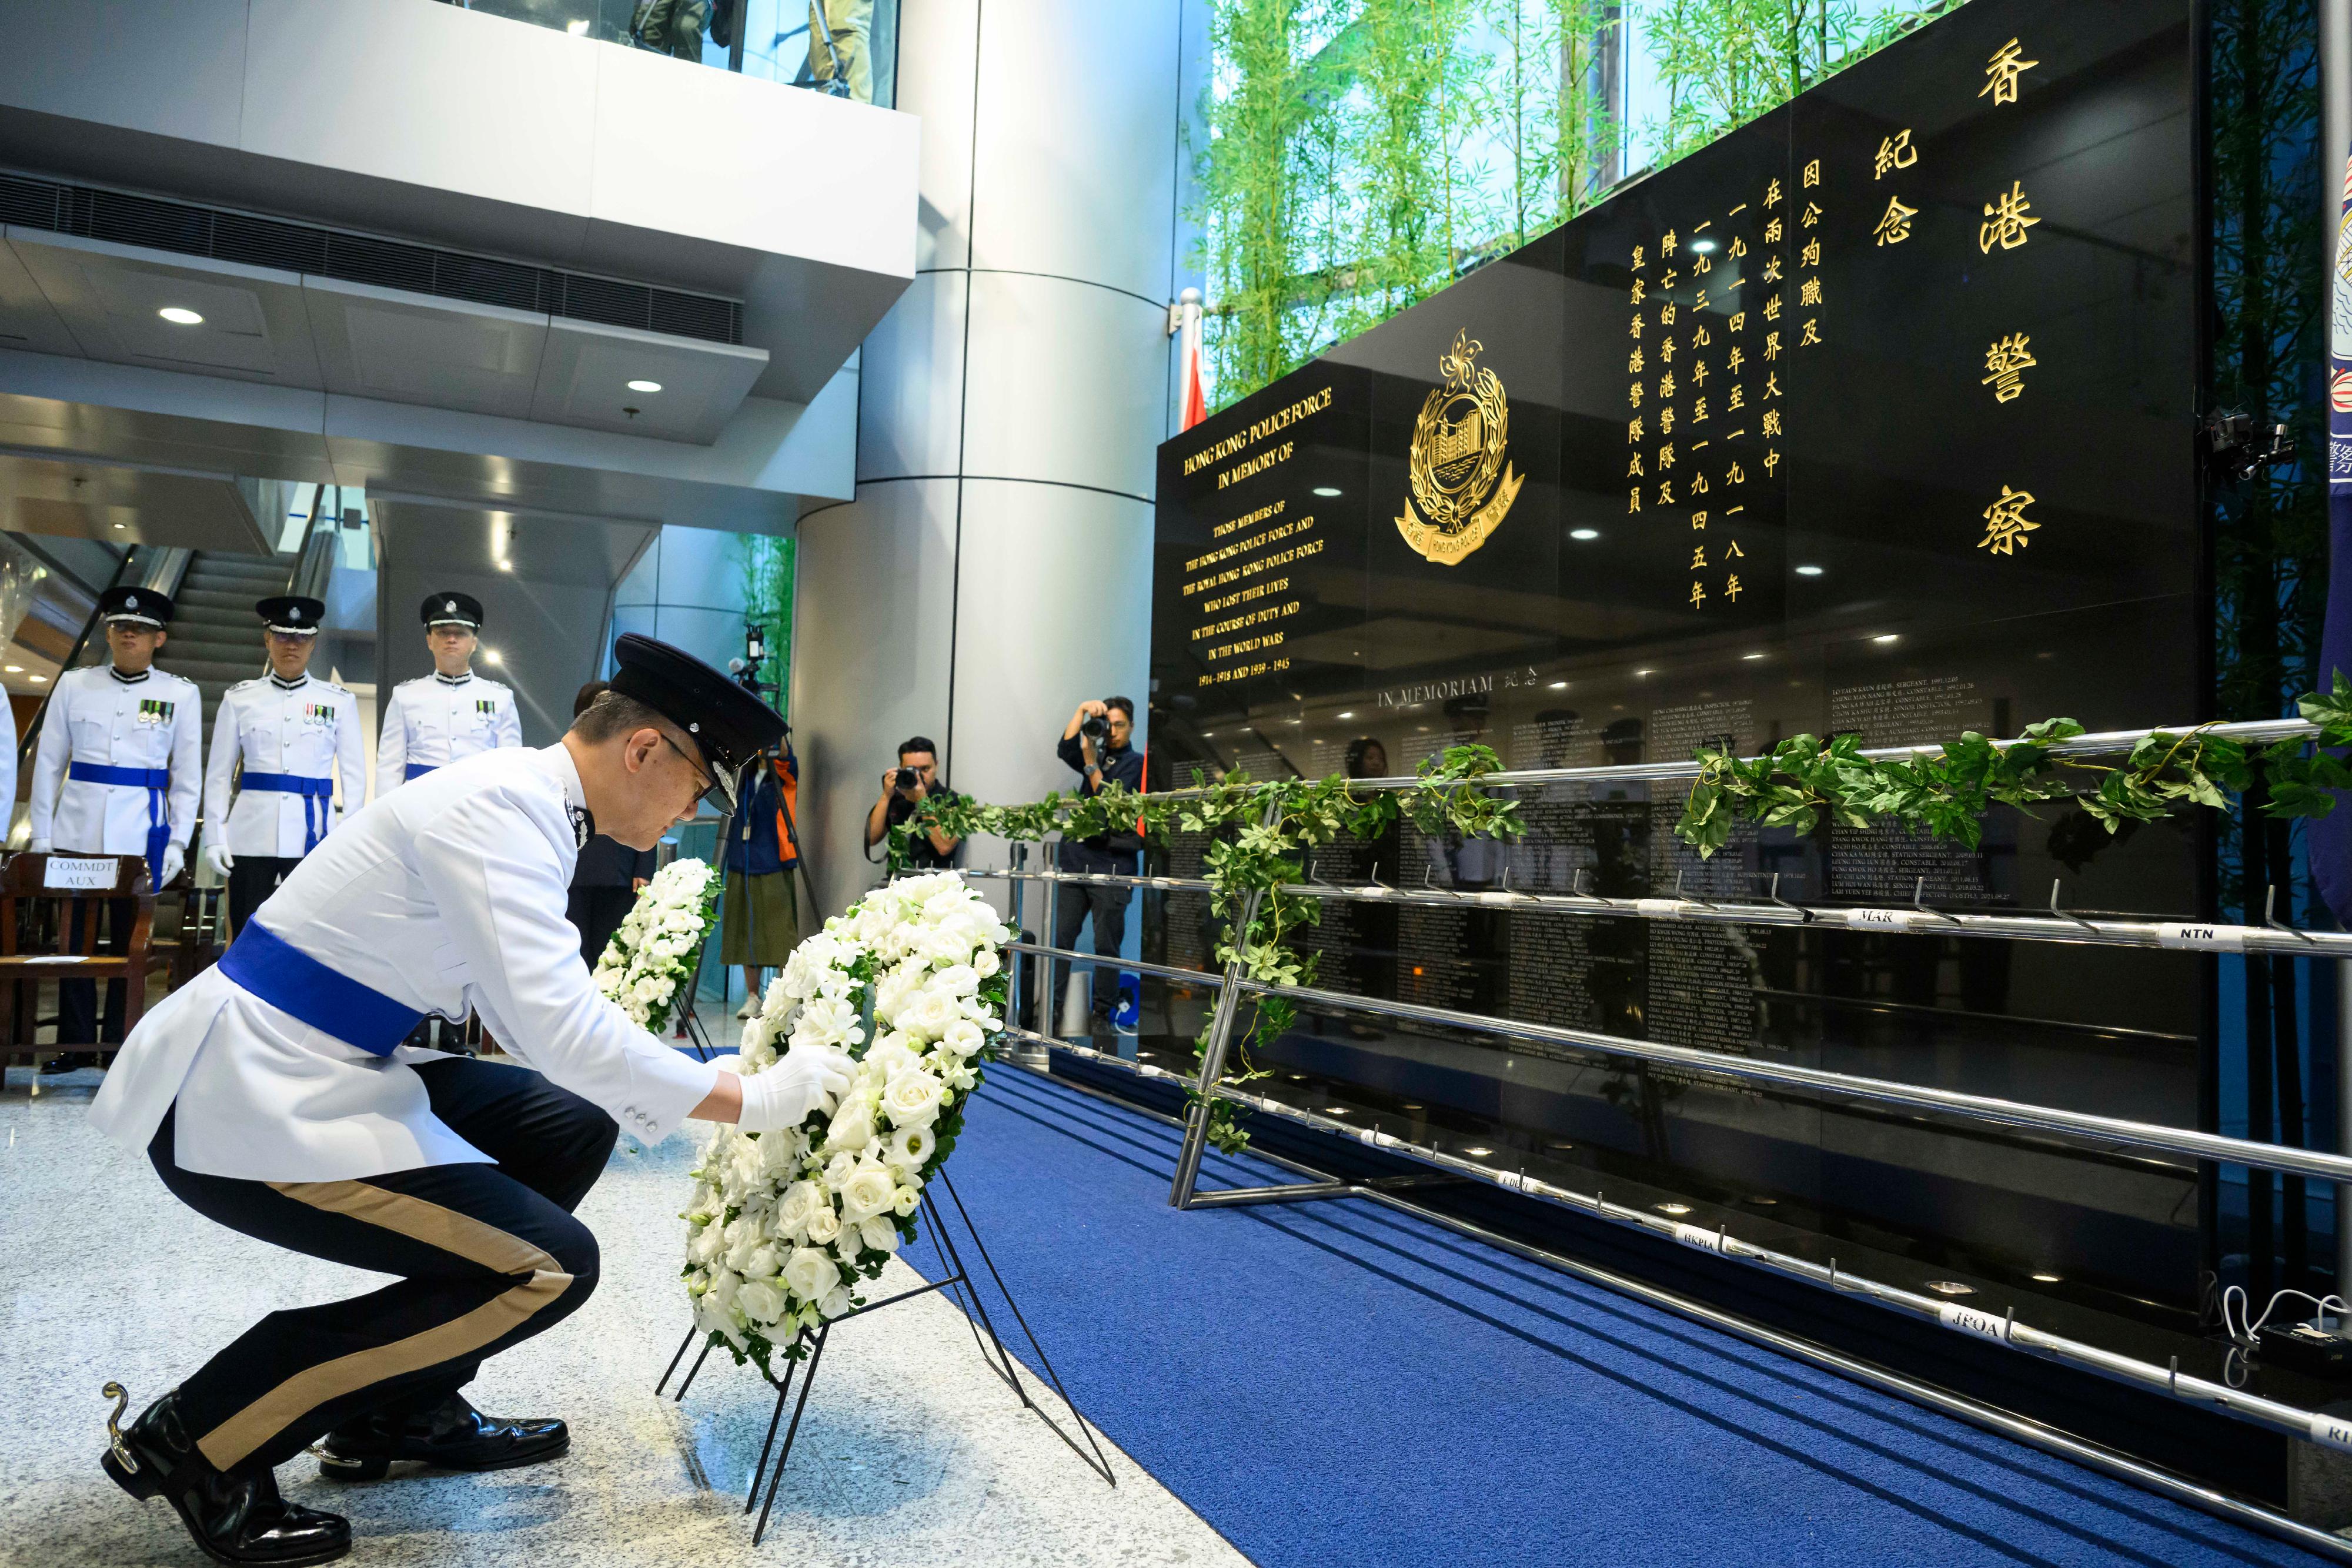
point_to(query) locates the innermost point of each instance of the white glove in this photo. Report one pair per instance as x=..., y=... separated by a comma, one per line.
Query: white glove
x=217, y=857
x=175, y=857
x=785, y=1094
x=37, y=847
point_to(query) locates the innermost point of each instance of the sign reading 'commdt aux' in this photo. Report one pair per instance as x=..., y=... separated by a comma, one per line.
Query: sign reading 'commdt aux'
x=1460, y=477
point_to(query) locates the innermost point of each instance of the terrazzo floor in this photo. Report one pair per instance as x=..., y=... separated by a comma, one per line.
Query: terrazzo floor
x=912, y=1452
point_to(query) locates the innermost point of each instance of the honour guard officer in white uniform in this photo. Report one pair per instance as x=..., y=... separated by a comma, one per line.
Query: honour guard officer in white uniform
x=298, y=738
x=434, y=720
x=272, y=1094
x=116, y=773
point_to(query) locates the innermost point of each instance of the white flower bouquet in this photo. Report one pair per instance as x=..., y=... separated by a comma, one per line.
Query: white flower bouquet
x=785, y=1226
x=655, y=951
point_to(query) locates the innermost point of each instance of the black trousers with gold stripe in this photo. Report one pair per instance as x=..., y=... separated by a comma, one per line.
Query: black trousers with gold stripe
x=487, y=1256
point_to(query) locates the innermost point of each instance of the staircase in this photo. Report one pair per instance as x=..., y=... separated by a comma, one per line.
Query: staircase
x=215, y=637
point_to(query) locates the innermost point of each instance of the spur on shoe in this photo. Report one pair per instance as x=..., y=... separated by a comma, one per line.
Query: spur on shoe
x=232, y=1516
x=451, y=1436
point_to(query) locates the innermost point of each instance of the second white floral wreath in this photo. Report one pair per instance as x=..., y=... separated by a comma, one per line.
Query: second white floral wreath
x=656, y=952
x=785, y=1226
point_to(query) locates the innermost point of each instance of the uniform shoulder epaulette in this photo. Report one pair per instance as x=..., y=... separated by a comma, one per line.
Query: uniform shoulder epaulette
x=339, y=691
x=413, y=681
x=241, y=684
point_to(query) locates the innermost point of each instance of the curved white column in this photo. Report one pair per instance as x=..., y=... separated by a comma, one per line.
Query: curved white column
x=995, y=567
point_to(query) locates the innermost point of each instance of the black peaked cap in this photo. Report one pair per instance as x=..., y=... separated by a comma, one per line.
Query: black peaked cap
x=462, y=609
x=291, y=612
x=730, y=725
x=137, y=604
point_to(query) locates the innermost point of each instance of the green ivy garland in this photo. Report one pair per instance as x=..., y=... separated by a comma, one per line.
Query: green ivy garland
x=1258, y=832
x=1947, y=792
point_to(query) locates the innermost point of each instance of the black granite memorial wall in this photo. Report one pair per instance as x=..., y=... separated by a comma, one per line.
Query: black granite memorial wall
x=1876, y=416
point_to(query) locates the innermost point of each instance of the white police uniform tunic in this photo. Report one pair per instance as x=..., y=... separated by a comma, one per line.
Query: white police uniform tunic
x=300, y=743
x=435, y=719
x=446, y=897
x=117, y=772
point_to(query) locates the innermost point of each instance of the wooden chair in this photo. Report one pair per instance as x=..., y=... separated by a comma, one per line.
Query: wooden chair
x=35, y=922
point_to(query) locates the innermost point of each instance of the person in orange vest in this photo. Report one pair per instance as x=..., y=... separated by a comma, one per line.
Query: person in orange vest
x=759, y=915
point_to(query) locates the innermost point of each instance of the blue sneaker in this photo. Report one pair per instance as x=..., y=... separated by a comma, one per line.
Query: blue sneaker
x=1128, y=1015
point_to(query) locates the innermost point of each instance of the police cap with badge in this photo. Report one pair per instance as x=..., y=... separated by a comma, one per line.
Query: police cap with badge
x=292, y=614
x=452, y=609
x=732, y=726
x=138, y=606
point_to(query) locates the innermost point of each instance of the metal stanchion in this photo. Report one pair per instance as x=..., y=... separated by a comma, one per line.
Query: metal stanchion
x=1213, y=1054
x=1044, y=1020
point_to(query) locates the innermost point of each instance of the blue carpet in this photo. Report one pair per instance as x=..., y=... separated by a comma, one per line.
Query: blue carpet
x=1336, y=1384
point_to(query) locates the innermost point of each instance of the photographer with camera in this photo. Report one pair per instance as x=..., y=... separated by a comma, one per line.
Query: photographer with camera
x=1095, y=743
x=905, y=788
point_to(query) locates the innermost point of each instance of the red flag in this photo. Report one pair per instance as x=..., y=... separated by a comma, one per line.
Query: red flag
x=1196, y=398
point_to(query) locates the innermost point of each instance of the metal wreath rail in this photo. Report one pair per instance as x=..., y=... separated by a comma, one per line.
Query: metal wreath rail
x=1232, y=984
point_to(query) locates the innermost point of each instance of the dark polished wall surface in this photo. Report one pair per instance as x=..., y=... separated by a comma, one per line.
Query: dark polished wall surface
x=1876, y=416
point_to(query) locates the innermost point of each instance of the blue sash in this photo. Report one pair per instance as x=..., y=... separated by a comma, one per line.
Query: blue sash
x=418, y=770
x=159, y=825
x=315, y=793
x=267, y=965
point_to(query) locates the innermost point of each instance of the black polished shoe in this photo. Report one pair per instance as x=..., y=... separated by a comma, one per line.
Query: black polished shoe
x=452, y=1436
x=237, y=1519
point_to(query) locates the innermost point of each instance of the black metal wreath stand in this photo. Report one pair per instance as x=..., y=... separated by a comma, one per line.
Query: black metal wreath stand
x=956, y=1282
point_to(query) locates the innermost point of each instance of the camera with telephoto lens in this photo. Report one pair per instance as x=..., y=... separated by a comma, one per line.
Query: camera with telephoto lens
x=905, y=779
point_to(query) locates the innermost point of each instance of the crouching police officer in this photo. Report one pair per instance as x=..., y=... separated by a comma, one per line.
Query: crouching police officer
x=272, y=1094
x=299, y=738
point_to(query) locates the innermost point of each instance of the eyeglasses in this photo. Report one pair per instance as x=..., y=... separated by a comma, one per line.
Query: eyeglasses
x=715, y=791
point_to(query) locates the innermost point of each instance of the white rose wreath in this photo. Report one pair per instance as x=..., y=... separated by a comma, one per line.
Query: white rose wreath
x=785, y=1225
x=654, y=953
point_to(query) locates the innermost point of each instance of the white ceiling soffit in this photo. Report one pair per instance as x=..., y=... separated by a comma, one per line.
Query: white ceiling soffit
x=167, y=506
x=27, y=321
x=94, y=299
x=444, y=353
x=254, y=327
x=584, y=380
x=542, y=547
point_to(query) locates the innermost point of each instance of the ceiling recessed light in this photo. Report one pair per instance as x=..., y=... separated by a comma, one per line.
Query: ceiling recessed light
x=1584, y=533
x=1557, y=687
x=180, y=316
x=1674, y=1208
x=38, y=680
x=1808, y=571
x=506, y=566
x=2048, y=1278
x=490, y=656
x=1888, y=637
x=13, y=669
x=644, y=386
x=1950, y=1288
x=1752, y=655
x=1646, y=671
x=1766, y=1202
x=1408, y=1104
x=1334, y=1110
x=122, y=525
x=1350, y=713
x=1325, y=490
x=1477, y=1153
x=1561, y=1144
